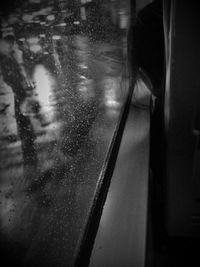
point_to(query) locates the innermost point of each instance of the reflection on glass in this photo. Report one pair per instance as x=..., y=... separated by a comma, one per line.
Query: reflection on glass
x=112, y=92
x=61, y=93
x=44, y=84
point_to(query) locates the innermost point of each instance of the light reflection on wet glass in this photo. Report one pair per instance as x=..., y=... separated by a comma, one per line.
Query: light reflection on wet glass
x=58, y=114
x=112, y=92
x=44, y=85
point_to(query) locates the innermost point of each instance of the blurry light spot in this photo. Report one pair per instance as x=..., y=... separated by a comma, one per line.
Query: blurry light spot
x=44, y=88
x=83, y=88
x=22, y=39
x=62, y=24
x=33, y=40
x=76, y=22
x=56, y=37
x=35, y=48
x=51, y=17
x=83, y=66
x=83, y=77
x=112, y=103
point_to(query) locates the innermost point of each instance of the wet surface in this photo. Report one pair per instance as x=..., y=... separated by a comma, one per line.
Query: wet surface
x=56, y=132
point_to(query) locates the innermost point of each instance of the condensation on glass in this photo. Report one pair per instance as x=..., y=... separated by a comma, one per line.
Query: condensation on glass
x=63, y=83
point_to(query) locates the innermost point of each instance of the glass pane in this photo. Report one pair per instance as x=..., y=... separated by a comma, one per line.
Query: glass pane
x=63, y=84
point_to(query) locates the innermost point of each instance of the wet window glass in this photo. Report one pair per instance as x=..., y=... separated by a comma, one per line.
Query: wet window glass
x=63, y=85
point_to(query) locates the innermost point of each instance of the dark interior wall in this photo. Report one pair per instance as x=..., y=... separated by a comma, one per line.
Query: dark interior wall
x=142, y=3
